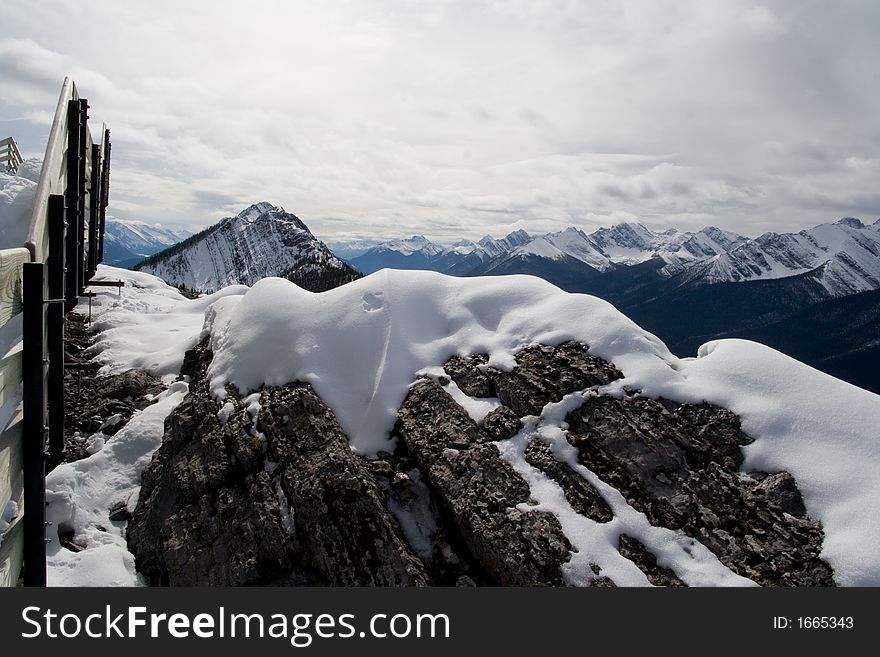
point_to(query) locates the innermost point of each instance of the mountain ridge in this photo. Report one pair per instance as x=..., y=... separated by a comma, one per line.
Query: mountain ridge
x=262, y=240
x=127, y=242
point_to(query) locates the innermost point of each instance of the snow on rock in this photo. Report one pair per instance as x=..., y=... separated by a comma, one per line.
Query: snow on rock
x=361, y=345
x=820, y=429
x=596, y=542
x=145, y=324
x=148, y=324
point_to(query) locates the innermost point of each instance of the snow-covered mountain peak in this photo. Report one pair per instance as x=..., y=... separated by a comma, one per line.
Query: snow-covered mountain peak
x=259, y=208
x=266, y=213
x=626, y=235
x=852, y=222
x=262, y=240
x=410, y=245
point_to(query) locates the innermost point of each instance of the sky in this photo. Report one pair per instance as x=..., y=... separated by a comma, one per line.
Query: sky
x=454, y=119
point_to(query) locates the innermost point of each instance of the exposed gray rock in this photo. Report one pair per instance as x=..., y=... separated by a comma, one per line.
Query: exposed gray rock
x=469, y=374
x=635, y=551
x=346, y=528
x=96, y=402
x=781, y=490
x=284, y=503
x=481, y=491
x=580, y=494
x=545, y=374
x=281, y=499
x=502, y=423
x=677, y=463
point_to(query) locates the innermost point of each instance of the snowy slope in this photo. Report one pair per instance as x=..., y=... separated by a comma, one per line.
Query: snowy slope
x=127, y=242
x=262, y=240
x=348, y=249
x=848, y=251
x=141, y=237
x=363, y=344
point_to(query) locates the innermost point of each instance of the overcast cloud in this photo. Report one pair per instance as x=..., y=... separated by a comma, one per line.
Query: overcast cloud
x=455, y=119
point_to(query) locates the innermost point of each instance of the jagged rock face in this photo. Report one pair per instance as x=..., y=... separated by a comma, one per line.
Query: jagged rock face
x=481, y=491
x=272, y=494
x=543, y=374
x=288, y=503
x=677, y=463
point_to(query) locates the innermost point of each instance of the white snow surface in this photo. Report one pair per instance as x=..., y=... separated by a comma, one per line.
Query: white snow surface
x=16, y=206
x=148, y=324
x=362, y=344
x=79, y=496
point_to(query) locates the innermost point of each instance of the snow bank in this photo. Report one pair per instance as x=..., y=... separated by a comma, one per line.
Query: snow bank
x=824, y=431
x=80, y=495
x=145, y=324
x=361, y=345
x=30, y=169
x=16, y=206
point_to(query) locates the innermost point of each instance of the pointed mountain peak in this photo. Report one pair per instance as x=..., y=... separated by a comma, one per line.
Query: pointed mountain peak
x=518, y=235
x=259, y=208
x=851, y=222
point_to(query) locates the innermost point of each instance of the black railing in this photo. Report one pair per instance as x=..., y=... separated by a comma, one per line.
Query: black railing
x=69, y=237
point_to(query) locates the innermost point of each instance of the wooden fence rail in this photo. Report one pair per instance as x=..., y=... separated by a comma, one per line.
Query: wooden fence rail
x=39, y=283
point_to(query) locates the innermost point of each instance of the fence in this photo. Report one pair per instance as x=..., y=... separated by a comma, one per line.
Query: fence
x=39, y=283
x=10, y=156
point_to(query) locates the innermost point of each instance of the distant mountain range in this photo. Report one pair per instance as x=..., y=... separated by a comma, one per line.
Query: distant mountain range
x=417, y=252
x=814, y=294
x=262, y=240
x=127, y=242
x=692, y=287
x=845, y=256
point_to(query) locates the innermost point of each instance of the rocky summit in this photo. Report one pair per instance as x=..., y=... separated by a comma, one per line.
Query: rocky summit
x=265, y=489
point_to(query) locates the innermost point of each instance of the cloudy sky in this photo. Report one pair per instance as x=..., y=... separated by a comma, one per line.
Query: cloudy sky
x=459, y=118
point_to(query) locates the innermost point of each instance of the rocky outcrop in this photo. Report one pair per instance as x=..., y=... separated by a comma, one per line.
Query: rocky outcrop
x=97, y=406
x=679, y=465
x=225, y=501
x=480, y=491
x=543, y=374
x=264, y=489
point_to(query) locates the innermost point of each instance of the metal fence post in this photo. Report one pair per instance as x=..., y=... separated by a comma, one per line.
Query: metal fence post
x=55, y=328
x=105, y=190
x=82, y=228
x=34, y=421
x=94, y=211
x=74, y=128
